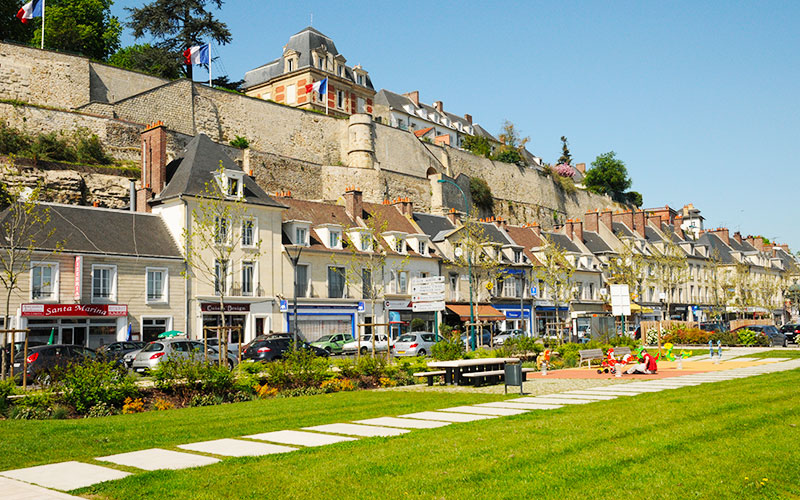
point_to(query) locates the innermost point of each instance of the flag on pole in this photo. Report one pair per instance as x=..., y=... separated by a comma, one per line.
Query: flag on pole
x=130, y=333
x=30, y=10
x=321, y=87
x=52, y=334
x=199, y=54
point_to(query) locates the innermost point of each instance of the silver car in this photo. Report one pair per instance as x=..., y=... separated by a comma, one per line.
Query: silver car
x=415, y=344
x=153, y=353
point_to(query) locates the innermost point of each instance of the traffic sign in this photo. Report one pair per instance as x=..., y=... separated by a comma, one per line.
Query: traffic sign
x=534, y=291
x=426, y=281
x=427, y=297
x=427, y=288
x=428, y=306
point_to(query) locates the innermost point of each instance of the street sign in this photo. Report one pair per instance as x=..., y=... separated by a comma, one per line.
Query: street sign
x=534, y=291
x=426, y=281
x=284, y=306
x=361, y=307
x=620, y=300
x=428, y=297
x=427, y=288
x=428, y=306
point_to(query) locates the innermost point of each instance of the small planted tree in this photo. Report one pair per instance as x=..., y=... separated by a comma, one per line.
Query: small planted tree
x=672, y=269
x=556, y=273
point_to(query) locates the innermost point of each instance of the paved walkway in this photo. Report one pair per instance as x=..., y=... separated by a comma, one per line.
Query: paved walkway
x=31, y=483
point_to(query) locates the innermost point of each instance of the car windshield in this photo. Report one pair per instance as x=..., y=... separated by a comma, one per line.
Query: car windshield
x=407, y=338
x=325, y=338
x=153, y=347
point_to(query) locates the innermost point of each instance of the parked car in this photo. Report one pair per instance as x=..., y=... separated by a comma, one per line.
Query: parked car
x=272, y=347
x=791, y=332
x=415, y=344
x=43, y=359
x=501, y=338
x=381, y=344
x=116, y=350
x=484, y=339
x=232, y=347
x=715, y=326
x=332, y=343
x=776, y=338
x=19, y=347
x=128, y=357
x=155, y=352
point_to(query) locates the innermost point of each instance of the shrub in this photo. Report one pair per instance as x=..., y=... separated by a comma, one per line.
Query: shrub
x=301, y=391
x=100, y=410
x=265, y=391
x=13, y=141
x=448, y=349
x=338, y=385
x=748, y=337
x=163, y=404
x=89, y=149
x=87, y=384
x=7, y=388
x=34, y=406
x=132, y=405
x=367, y=366
x=240, y=142
x=417, y=325
x=623, y=340
x=205, y=400
x=518, y=345
x=186, y=377
x=481, y=193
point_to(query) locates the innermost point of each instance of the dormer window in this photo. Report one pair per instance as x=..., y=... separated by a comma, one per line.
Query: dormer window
x=517, y=256
x=400, y=245
x=423, y=248
x=365, y=243
x=289, y=65
x=231, y=183
x=233, y=187
x=301, y=236
x=335, y=239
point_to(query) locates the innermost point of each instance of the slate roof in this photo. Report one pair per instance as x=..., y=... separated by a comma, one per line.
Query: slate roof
x=433, y=225
x=481, y=132
x=399, y=102
x=103, y=231
x=188, y=176
x=651, y=235
x=564, y=242
x=303, y=42
x=620, y=228
x=317, y=213
x=743, y=247
x=714, y=242
x=527, y=239
x=493, y=234
x=595, y=243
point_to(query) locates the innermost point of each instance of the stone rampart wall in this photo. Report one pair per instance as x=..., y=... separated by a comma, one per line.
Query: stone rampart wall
x=110, y=84
x=43, y=77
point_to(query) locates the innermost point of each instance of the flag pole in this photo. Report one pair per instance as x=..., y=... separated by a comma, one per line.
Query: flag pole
x=43, y=5
x=326, y=97
x=209, y=65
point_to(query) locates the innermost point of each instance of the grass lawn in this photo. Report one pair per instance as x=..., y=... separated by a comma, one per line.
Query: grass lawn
x=717, y=440
x=776, y=353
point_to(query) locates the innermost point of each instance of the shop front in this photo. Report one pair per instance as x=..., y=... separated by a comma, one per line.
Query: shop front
x=547, y=321
x=89, y=325
x=516, y=318
x=315, y=320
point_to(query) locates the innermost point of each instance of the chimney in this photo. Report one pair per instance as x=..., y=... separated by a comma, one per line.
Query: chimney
x=353, y=202
x=404, y=206
x=639, y=222
x=678, y=231
x=625, y=218
x=751, y=241
x=438, y=106
x=785, y=247
x=154, y=156
x=581, y=167
x=737, y=236
x=500, y=222
x=759, y=243
x=452, y=216
x=654, y=220
x=722, y=233
x=605, y=218
x=577, y=230
x=568, y=228
x=537, y=230
x=592, y=220
x=468, y=118
x=414, y=96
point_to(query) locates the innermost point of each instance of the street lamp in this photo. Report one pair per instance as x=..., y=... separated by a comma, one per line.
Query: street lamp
x=469, y=268
x=293, y=251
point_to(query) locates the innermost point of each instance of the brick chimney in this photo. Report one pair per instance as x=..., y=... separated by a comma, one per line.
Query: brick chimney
x=404, y=206
x=414, y=96
x=438, y=106
x=654, y=220
x=751, y=241
x=722, y=233
x=625, y=218
x=568, y=228
x=577, y=230
x=592, y=220
x=468, y=118
x=537, y=230
x=500, y=222
x=678, y=230
x=605, y=218
x=639, y=219
x=353, y=202
x=581, y=167
x=737, y=236
x=452, y=216
x=153, y=165
x=759, y=243
x=785, y=247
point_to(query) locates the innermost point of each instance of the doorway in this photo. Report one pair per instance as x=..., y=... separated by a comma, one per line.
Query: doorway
x=73, y=335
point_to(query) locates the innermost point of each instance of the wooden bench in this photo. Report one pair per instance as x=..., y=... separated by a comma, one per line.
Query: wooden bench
x=588, y=355
x=493, y=373
x=621, y=351
x=430, y=375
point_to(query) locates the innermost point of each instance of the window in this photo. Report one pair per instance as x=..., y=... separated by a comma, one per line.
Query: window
x=291, y=94
x=301, y=236
x=248, y=269
x=220, y=276
x=221, y=231
x=156, y=284
x=340, y=99
x=517, y=256
x=341, y=70
x=453, y=282
x=360, y=105
x=44, y=277
x=104, y=283
x=360, y=79
x=400, y=245
x=510, y=287
x=233, y=186
x=335, y=239
x=591, y=291
x=366, y=283
x=365, y=243
x=402, y=282
x=423, y=248
x=335, y=282
x=248, y=233
x=301, y=290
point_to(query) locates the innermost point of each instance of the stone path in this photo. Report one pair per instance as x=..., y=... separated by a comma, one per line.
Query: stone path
x=31, y=483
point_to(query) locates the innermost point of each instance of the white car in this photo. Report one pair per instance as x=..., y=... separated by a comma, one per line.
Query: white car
x=415, y=344
x=381, y=344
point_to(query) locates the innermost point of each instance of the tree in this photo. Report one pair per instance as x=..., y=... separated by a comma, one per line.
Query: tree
x=24, y=230
x=608, y=175
x=634, y=198
x=179, y=24
x=672, y=269
x=11, y=29
x=83, y=26
x=566, y=157
x=225, y=82
x=481, y=193
x=512, y=145
x=156, y=61
x=720, y=277
x=212, y=240
x=629, y=267
x=477, y=144
x=556, y=273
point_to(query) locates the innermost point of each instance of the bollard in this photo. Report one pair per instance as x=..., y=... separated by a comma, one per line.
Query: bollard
x=711, y=349
x=680, y=363
x=719, y=349
x=544, y=368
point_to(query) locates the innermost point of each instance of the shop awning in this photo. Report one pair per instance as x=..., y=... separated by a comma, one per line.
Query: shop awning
x=482, y=312
x=636, y=308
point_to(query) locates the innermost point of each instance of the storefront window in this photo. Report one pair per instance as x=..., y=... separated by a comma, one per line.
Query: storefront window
x=101, y=332
x=213, y=321
x=152, y=327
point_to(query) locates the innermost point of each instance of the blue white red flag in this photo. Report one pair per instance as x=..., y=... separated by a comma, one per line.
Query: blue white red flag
x=30, y=10
x=199, y=54
x=321, y=87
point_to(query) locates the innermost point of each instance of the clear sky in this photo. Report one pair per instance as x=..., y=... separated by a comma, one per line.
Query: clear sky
x=698, y=98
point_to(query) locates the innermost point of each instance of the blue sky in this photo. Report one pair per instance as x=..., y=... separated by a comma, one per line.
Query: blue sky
x=699, y=99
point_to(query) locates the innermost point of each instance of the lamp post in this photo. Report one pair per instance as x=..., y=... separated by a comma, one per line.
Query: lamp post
x=469, y=268
x=293, y=251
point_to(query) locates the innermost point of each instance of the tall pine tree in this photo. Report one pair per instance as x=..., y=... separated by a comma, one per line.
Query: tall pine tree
x=566, y=157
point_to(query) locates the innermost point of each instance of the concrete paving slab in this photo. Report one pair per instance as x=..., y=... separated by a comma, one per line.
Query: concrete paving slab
x=300, y=438
x=446, y=417
x=156, y=459
x=403, y=423
x=555, y=401
x=526, y=406
x=629, y=388
x=18, y=490
x=236, y=448
x=592, y=392
x=357, y=430
x=592, y=397
x=479, y=410
x=65, y=476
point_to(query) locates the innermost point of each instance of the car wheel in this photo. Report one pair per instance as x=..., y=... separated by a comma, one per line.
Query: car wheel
x=230, y=365
x=44, y=379
x=421, y=352
x=785, y=342
x=364, y=351
x=328, y=350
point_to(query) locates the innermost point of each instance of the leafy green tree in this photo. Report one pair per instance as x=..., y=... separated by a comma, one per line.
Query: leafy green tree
x=149, y=59
x=634, y=198
x=608, y=175
x=566, y=157
x=481, y=193
x=478, y=145
x=179, y=24
x=83, y=26
x=11, y=29
x=513, y=145
x=225, y=82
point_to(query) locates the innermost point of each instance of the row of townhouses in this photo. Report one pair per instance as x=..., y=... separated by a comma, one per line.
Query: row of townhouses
x=139, y=272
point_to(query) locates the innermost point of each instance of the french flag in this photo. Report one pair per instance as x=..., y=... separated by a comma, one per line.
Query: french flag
x=30, y=10
x=320, y=87
x=199, y=54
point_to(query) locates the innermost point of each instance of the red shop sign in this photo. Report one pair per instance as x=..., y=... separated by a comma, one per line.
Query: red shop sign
x=74, y=310
x=214, y=307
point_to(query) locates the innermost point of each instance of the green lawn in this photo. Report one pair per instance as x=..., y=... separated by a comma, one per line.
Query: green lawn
x=776, y=353
x=716, y=440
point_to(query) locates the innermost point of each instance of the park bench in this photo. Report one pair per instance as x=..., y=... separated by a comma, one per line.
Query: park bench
x=588, y=355
x=619, y=352
x=492, y=373
x=430, y=375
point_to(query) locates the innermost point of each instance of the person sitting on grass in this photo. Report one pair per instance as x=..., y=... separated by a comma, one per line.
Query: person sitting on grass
x=646, y=365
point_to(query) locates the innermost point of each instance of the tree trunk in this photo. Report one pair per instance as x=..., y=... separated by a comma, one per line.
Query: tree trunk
x=6, y=326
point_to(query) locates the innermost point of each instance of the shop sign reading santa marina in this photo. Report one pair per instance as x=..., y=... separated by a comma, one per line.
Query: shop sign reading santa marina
x=50, y=310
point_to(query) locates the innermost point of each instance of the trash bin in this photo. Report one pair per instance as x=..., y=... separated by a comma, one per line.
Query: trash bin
x=513, y=375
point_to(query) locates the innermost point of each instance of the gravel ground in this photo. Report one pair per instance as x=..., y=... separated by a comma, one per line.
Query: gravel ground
x=539, y=386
